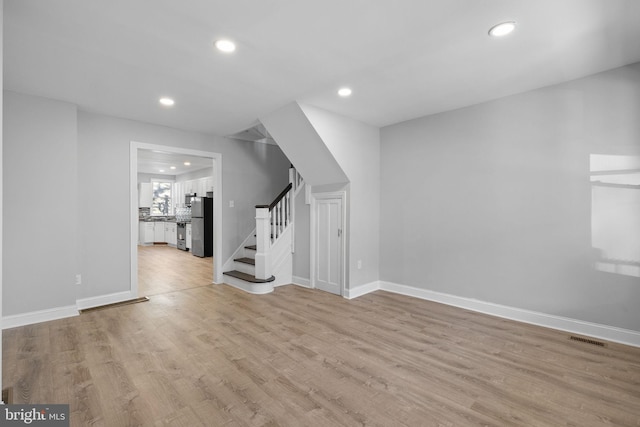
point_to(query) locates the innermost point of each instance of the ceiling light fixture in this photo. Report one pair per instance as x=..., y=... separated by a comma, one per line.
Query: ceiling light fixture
x=344, y=92
x=226, y=46
x=161, y=170
x=167, y=102
x=187, y=163
x=172, y=167
x=502, y=29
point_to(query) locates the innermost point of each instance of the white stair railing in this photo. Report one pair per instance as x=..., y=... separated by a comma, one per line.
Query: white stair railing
x=272, y=221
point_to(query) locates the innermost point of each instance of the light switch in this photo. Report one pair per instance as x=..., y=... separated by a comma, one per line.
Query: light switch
x=231, y=204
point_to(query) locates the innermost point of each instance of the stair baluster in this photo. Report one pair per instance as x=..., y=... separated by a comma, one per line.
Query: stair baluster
x=270, y=224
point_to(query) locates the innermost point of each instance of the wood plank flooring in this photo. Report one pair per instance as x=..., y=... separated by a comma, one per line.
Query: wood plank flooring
x=215, y=356
x=162, y=269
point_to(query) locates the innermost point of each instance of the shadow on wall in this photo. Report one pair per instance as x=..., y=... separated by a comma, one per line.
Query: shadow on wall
x=615, y=213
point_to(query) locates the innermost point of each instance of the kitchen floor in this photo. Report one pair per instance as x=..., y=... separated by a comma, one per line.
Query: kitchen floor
x=162, y=269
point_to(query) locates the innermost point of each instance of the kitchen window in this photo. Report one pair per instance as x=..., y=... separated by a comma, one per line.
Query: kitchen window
x=162, y=204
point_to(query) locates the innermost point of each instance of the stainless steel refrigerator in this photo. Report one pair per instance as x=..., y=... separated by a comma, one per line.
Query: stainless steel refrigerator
x=202, y=226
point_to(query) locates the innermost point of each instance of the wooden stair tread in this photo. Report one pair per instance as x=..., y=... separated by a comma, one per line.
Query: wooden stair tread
x=246, y=260
x=252, y=247
x=247, y=277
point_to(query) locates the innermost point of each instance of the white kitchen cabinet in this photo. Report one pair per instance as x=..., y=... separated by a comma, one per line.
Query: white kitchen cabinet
x=146, y=234
x=202, y=187
x=209, y=183
x=188, y=237
x=158, y=232
x=189, y=187
x=178, y=194
x=145, y=195
x=170, y=233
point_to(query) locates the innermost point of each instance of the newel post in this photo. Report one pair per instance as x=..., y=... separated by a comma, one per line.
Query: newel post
x=263, y=243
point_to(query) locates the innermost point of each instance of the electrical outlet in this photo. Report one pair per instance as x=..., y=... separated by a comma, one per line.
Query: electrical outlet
x=78, y=279
x=359, y=264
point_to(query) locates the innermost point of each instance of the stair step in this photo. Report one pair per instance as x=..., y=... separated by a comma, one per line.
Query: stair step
x=252, y=247
x=247, y=277
x=246, y=260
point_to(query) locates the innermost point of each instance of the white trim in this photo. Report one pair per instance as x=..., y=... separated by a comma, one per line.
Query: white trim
x=91, y=302
x=342, y=195
x=358, y=291
x=32, y=317
x=596, y=330
x=301, y=281
x=216, y=159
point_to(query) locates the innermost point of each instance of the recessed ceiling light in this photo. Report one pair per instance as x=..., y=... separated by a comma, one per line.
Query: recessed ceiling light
x=225, y=45
x=344, y=92
x=172, y=167
x=161, y=170
x=502, y=29
x=167, y=102
x=187, y=163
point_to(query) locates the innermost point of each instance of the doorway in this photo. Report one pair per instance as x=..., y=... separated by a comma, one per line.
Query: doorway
x=212, y=266
x=328, y=242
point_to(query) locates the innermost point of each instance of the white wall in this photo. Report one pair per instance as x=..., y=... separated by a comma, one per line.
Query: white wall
x=147, y=177
x=252, y=173
x=356, y=148
x=200, y=173
x=290, y=128
x=493, y=202
x=40, y=204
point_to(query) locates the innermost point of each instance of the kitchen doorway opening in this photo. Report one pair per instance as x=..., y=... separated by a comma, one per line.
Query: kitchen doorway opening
x=178, y=262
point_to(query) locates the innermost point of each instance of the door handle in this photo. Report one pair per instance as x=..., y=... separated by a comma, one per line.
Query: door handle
x=339, y=232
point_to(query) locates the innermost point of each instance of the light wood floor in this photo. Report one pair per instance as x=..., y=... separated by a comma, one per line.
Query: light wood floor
x=215, y=356
x=162, y=269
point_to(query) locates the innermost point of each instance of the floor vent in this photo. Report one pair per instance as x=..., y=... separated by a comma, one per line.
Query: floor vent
x=117, y=304
x=588, y=341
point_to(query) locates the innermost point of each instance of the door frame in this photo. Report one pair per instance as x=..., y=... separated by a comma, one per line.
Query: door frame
x=333, y=195
x=216, y=161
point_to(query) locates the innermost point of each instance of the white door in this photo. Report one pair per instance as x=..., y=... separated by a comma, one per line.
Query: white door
x=328, y=241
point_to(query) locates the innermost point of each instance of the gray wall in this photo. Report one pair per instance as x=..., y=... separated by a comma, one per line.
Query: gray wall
x=356, y=148
x=66, y=198
x=40, y=204
x=493, y=202
x=252, y=173
x=301, y=256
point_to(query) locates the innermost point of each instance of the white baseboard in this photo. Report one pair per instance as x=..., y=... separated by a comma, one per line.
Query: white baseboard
x=32, y=317
x=301, y=281
x=596, y=330
x=358, y=291
x=85, y=303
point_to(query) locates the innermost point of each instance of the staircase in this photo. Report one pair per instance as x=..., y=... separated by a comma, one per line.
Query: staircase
x=264, y=260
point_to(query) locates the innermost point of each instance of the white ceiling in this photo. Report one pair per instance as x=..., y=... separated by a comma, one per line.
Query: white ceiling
x=160, y=163
x=402, y=58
